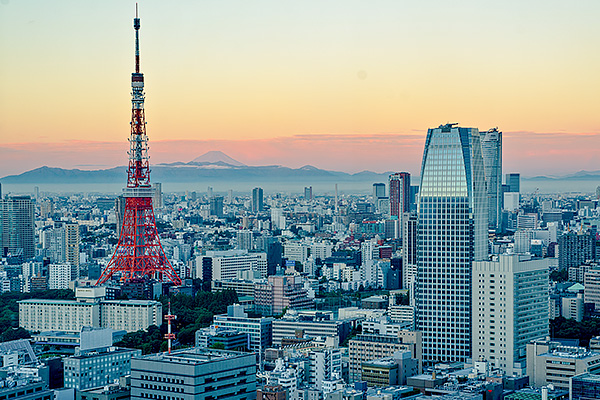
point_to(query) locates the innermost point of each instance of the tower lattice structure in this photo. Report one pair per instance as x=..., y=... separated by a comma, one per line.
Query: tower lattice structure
x=139, y=252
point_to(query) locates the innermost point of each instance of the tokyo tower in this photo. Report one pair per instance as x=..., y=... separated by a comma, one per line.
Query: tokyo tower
x=139, y=253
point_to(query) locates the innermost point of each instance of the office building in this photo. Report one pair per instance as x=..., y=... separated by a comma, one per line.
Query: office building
x=409, y=251
x=196, y=373
x=257, y=200
x=72, y=248
x=157, y=198
x=378, y=191
x=491, y=150
x=245, y=240
x=369, y=347
x=90, y=309
x=61, y=245
x=513, y=181
x=511, y=201
x=216, y=206
x=592, y=287
x=575, y=248
x=510, y=308
x=308, y=193
x=230, y=339
x=399, y=197
x=452, y=232
x=98, y=368
x=584, y=387
x=259, y=330
x=17, y=229
x=390, y=371
x=229, y=264
x=572, y=307
x=309, y=324
x=552, y=363
x=120, y=212
x=279, y=293
x=19, y=384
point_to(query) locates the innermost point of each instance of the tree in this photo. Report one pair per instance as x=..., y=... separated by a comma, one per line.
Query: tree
x=218, y=346
x=561, y=275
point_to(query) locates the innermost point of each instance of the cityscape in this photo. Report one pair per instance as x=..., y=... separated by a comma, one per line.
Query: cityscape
x=436, y=260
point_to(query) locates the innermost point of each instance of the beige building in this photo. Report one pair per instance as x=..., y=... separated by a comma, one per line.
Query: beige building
x=592, y=287
x=90, y=309
x=510, y=308
x=572, y=307
x=366, y=348
x=550, y=363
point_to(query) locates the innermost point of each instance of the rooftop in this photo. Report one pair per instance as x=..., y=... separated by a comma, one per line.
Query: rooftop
x=195, y=356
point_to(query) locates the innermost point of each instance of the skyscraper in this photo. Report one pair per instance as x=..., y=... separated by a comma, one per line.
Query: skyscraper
x=452, y=232
x=491, y=149
x=514, y=182
x=378, y=191
x=308, y=193
x=399, y=197
x=257, y=199
x=17, y=232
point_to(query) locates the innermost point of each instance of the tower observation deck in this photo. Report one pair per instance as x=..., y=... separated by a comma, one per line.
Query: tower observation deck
x=139, y=253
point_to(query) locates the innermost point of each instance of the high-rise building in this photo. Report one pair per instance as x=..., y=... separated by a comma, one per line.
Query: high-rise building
x=409, y=251
x=216, y=206
x=157, y=199
x=17, y=231
x=257, y=200
x=502, y=289
x=399, y=197
x=59, y=276
x=378, y=191
x=72, y=248
x=575, y=248
x=245, y=240
x=308, y=193
x=491, y=149
x=513, y=181
x=452, y=232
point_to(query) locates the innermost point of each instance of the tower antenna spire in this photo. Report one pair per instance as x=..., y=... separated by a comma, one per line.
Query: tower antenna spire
x=139, y=253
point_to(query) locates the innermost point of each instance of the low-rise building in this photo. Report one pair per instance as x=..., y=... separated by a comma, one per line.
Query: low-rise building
x=309, y=324
x=196, y=373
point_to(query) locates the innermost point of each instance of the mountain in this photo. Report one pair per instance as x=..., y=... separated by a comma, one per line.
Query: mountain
x=216, y=157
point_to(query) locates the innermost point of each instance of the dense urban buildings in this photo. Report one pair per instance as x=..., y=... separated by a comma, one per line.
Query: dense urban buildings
x=452, y=233
x=17, y=233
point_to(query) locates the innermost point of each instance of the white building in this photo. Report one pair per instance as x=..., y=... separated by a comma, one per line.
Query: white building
x=511, y=201
x=324, y=364
x=231, y=264
x=510, y=308
x=59, y=276
x=296, y=251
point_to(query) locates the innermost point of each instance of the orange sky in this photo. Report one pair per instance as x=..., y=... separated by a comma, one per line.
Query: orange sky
x=296, y=83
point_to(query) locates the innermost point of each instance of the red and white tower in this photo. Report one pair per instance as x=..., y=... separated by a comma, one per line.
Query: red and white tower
x=139, y=253
x=169, y=335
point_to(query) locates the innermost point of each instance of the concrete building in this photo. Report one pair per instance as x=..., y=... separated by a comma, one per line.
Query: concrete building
x=309, y=324
x=452, y=232
x=510, y=308
x=229, y=264
x=279, y=293
x=409, y=251
x=399, y=197
x=390, y=371
x=195, y=373
x=245, y=241
x=551, y=363
x=271, y=392
x=592, y=287
x=365, y=348
x=575, y=248
x=259, y=330
x=242, y=287
x=130, y=315
x=98, y=368
x=59, y=276
x=572, y=307
x=231, y=339
x=90, y=309
x=324, y=364
x=22, y=385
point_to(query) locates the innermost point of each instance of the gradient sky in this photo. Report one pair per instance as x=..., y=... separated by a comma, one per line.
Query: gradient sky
x=345, y=85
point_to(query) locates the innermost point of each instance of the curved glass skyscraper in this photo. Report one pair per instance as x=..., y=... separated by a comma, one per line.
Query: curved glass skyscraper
x=452, y=232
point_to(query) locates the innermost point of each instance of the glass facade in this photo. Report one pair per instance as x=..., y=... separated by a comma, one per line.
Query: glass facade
x=452, y=232
x=491, y=149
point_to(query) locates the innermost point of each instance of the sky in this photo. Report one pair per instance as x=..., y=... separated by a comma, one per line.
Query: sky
x=341, y=84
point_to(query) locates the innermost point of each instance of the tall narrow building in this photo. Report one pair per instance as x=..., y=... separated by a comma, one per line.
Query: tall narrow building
x=491, y=149
x=257, y=200
x=399, y=197
x=452, y=232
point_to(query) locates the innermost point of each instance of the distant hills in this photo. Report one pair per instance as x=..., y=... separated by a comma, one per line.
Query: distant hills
x=212, y=166
x=216, y=166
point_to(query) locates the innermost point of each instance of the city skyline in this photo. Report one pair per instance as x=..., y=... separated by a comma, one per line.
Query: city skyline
x=343, y=88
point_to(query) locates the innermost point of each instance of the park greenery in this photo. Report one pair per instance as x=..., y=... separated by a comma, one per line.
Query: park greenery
x=9, y=310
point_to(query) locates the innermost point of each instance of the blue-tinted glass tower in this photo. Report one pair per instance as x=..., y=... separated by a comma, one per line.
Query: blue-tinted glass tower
x=452, y=232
